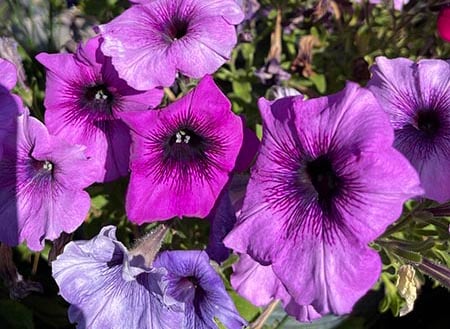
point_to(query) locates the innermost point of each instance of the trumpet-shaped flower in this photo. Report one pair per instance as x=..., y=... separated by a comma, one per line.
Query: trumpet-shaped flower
x=84, y=96
x=182, y=156
x=153, y=40
x=41, y=185
x=108, y=288
x=417, y=98
x=327, y=182
x=193, y=281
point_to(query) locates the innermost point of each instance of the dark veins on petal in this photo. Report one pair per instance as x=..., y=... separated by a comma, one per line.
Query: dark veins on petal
x=93, y=108
x=308, y=191
x=184, y=150
x=176, y=29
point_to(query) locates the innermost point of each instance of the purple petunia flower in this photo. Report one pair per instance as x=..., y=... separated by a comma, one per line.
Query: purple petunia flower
x=192, y=281
x=259, y=284
x=182, y=156
x=110, y=289
x=417, y=98
x=41, y=185
x=84, y=95
x=326, y=183
x=153, y=40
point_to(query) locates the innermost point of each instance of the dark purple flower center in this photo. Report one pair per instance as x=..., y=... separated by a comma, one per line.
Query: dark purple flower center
x=177, y=29
x=41, y=169
x=185, y=146
x=324, y=179
x=99, y=98
x=185, y=289
x=428, y=122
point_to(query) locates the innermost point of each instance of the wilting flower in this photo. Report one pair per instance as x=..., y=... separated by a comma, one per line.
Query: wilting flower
x=84, y=95
x=326, y=183
x=416, y=97
x=192, y=281
x=259, y=284
x=272, y=73
x=41, y=185
x=8, y=51
x=153, y=40
x=443, y=23
x=182, y=156
x=110, y=289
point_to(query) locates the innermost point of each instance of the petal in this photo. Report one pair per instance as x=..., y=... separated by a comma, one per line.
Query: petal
x=394, y=84
x=135, y=47
x=330, y=277
x=8, y=75
x=89, y=274
x=222, y=218
x=228, y=9
x=210, y=298
x=257, y=282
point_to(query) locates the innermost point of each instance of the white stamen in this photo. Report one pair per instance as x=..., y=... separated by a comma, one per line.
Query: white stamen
x=99, y=95
x=178, y=135
x=182, y=137
x=47, y=165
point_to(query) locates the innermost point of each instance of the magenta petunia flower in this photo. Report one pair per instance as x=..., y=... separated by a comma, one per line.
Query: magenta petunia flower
x=108, y=288
x=327, y=182
x=182, y=156
x=41, y=185
x=193, y=281
x=259, y=284
x=153, y=40
x=443, y=23
x=417, y=98
x=84, y=95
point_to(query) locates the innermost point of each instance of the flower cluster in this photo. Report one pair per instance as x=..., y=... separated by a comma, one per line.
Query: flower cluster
x=301, y=206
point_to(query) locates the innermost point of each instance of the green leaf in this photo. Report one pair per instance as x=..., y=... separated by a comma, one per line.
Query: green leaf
x=15, y=315
x=246, y=309
x=319, y=82
x=243, y=90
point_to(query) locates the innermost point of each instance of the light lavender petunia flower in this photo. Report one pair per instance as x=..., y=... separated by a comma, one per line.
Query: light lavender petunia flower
x=84, y=96
x=259, y=284
x=327, y=182
x=182, y=156
x=417, y=98
x=108, y=288
x=153, y=40
x=193, y=281
x=41, y=185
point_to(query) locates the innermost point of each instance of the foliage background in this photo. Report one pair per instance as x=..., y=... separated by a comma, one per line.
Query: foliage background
x=320, y=48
